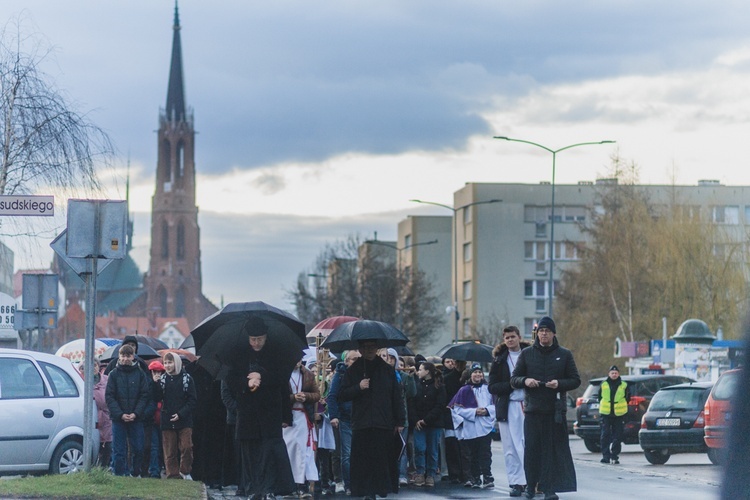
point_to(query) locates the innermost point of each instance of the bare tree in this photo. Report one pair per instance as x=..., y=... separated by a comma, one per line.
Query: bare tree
x=351, y=278
x=45, y=144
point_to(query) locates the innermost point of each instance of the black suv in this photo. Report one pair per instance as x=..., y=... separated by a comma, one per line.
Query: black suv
x=642, y=389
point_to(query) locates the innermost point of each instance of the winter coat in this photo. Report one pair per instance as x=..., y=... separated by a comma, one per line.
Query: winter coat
x=229, y=398
x=499, y=384
x=178, y=396
x=380, y=406
x=261, y=413
x=428, y=404
x=103, y=422
x=546, y=363
x=311, y=391
x=128, y=391
x=341, y=410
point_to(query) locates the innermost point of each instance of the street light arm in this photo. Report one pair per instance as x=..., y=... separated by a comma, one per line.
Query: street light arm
x=436, y=204
x=583, y=144
x=525, y=142
x=431, y=242
x=478, y=203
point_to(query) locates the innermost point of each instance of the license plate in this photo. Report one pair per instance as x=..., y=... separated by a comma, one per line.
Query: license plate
x=594, y=406
x=667, y=422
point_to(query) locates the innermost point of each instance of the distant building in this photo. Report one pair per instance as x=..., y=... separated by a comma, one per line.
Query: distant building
x=171, y=292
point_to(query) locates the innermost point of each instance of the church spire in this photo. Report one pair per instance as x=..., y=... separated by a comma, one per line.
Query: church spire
x=176, y=89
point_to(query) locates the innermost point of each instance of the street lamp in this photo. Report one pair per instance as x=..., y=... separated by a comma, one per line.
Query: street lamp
x=455, y=252
x=398, y=266
x=552, y=218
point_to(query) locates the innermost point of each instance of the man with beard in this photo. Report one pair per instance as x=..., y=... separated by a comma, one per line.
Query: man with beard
x=509, y=407
x=546, y=371
x=263, y=409
x=377, y=417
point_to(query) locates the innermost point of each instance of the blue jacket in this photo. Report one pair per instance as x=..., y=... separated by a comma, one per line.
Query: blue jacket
x=341, y=410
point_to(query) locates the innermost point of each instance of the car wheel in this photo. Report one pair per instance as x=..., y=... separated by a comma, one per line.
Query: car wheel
x=716, y=456
x=657, y=457
x=592, y=445
x=68, y=458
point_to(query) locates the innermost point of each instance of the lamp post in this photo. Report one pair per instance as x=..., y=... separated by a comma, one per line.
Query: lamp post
x=398, y=267
x=455, y=210
x=552, y=218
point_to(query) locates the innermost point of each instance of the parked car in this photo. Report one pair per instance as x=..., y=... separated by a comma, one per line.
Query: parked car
x=674, y=422
x=570, y=414
x=717, y=414
x=41, y=414
x=642, y=389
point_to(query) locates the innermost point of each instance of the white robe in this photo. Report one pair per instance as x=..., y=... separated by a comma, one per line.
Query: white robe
x=299, y=441
x=467, y=423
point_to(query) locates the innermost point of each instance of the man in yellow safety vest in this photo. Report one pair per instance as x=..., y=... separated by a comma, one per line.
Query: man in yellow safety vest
x=613, y=405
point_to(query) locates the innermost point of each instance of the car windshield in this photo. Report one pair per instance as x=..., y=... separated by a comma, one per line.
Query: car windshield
x=725, y=385
x=592, y=391
x=678, y=399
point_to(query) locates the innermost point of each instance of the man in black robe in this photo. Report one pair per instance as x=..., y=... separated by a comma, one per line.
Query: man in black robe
x=263, y=409
x=377, y=421
x=546, y=371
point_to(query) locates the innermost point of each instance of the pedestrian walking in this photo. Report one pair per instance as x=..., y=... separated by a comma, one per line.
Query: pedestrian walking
x=509, y=407
x=340, y=413
x=300, y=437
x=614, y=396
x=546, y=371
x=176, y=390
x=458, y=473
x=427, y=417
x=377, y=418
x=473, y=420
x=264, y=409
x=128, y=393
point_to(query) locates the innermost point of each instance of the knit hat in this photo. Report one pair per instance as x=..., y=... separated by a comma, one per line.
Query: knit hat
x=614, y=367
x=131, y=339
x=546, y=322
x=476, y=367
x=156, y=365
x=419, y=359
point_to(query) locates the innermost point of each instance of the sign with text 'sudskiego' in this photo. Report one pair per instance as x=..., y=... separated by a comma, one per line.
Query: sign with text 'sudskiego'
x=39, y=206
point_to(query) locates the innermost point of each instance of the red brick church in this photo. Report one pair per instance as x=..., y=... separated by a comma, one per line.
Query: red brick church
x=170, y=294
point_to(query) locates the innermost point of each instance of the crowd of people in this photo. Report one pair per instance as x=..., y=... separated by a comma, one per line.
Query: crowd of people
x=365, y=423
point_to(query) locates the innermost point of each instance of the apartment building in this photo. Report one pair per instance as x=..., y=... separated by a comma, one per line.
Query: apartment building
x=502, y=247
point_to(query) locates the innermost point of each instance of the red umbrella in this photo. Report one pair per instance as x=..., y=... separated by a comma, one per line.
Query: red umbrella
x=328, y=325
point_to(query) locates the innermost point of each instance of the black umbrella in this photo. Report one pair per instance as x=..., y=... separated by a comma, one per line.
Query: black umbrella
x=188, y=343
x=467, y=351
x=157, y=344
x=145, y=351
x=348, y=335
x=221, y=340
x=402, y=350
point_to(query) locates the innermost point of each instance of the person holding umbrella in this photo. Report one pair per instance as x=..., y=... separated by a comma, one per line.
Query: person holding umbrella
x=377, y=419
x=263, y=410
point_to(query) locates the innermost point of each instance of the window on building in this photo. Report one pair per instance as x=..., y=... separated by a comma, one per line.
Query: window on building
x=166, y=151
x=467, y=327
x=407, y=241
x=467, y=290
x=528, y=327
x=537, y=289
x=467, y=252
x=181, y=241
x=725, y=214
x=180, y=167
x=161, y=295
x=179, y=302
x=535, y=250
x=747, y=214
x=467, y=215
x=164, y=240
x=541, y=230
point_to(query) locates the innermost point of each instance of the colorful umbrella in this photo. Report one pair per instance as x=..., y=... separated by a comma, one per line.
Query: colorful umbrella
x=325, y=327
x=75, y=350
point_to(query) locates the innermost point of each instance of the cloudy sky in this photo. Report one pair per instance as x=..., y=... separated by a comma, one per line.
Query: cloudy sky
x=317, y=120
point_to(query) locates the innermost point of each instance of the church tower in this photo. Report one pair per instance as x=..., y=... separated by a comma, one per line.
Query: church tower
x=174, y=282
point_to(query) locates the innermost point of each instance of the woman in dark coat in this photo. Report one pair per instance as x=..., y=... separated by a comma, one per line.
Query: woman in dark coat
x=377, y=415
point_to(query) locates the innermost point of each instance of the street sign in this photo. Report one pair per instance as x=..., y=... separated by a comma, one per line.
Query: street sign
x=96, y=228
x=39, y=301
x=79, y=266
x=7, y=312
x=40, y=206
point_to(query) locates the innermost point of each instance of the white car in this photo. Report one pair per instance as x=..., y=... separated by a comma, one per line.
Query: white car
x=41, y=414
